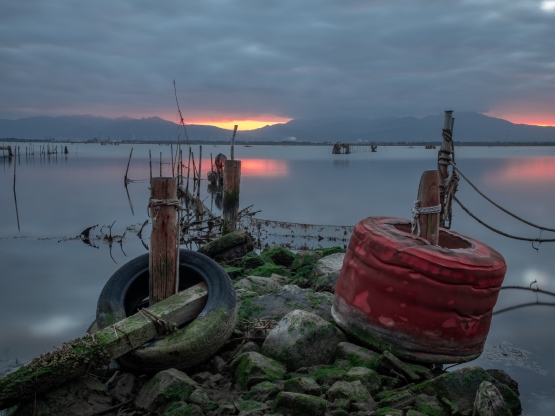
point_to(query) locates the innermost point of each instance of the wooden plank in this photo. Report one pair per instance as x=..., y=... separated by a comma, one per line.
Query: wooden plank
x=76, y=357
x=428, y=196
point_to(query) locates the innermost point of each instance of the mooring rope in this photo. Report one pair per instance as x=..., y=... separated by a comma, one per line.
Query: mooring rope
x=497, y=205
x=163, y=327
x=417, y=210
x=495, y=230
x=157, y=203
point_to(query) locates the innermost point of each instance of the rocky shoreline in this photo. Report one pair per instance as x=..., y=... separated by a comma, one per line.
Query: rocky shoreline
x=286, y=357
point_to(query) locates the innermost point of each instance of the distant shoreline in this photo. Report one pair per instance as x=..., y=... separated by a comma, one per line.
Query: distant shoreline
x=281, y=143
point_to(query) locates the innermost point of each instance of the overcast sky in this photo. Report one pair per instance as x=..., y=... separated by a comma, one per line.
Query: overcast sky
x=278, y=60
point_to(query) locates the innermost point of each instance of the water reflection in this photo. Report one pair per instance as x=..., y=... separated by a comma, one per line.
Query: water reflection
x=523, y=171
x=264, y=168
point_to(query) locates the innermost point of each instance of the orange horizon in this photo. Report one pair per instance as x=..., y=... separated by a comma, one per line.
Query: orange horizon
x=243, y=124
x=539, y=120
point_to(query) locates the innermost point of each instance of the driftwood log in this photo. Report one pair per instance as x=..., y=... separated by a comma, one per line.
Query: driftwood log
x=228, y=247
x=76, y=357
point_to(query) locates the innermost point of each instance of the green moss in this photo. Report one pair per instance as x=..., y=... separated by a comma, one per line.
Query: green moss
x=315, y=299
x=252, y=261
x=247, y=406
x=234, y=272
x=180, y=409
x=248, y=310
x=303, y=275
x=278, y=255
x=306, y=259
x=268, y=269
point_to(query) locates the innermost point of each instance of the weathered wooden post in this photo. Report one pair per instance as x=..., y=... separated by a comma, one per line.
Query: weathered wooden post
x=444, y=159
x=164, y=239
x=427, y=207
x=232, y=181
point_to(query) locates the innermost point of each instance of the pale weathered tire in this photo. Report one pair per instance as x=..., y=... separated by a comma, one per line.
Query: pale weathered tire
x=193, y=343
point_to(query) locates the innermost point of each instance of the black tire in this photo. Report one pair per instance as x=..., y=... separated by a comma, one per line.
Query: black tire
x=193, y=343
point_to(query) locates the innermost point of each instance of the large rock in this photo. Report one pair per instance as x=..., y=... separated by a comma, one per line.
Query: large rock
x=79, y=397
x=490, y=402
x=326, y=272
x=461, y=386
x=252, y=368
x=298, y=404
x=302, y=339
x=165, y=388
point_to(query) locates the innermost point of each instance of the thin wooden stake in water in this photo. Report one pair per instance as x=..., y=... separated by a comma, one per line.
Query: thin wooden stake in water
x=150, y=163
x=125, y=180
x=163, y=255
x=428, y=196
x=232, y=181
x=233, y=143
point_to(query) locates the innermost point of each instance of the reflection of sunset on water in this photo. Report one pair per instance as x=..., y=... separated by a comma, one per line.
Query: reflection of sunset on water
x=538, y=169
x=264, y=167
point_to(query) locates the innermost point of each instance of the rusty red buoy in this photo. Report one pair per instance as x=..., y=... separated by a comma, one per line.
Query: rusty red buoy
x=425, y=303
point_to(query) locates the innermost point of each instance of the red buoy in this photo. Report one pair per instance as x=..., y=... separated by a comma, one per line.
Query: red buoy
x=425, y=303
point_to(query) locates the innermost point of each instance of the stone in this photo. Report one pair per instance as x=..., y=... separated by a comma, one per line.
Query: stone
x=301, y=339
x=122, y=386
x=248, y=407
x=357, y=355
x=490, y=402
x=354, y=391
x=303, y=385
x=460, y=387
x=368, y=377
x=278, y=255
x=298, y=404
x=259, y=285
x=183, y=408
x=326, y=272
x=264, y=391
x=163, y=389
x=252, y=368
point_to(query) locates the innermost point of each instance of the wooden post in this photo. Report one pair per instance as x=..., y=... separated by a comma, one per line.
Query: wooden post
x=428, y=196
x=232, y=181
x=163, y=258
x=444, y=158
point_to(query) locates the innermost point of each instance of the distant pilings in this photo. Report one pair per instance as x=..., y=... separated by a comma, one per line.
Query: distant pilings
x=347, y=148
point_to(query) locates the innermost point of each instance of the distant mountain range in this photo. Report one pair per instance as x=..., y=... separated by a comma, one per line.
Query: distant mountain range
x=468, y=127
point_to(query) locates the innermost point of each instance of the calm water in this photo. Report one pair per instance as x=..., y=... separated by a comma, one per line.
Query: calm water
x=50, y=280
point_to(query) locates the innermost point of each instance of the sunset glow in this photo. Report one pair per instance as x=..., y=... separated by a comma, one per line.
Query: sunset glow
x=246, y=124
x=517, y=118
x=536, y=170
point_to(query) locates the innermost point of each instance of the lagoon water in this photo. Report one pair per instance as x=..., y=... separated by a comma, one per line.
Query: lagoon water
x=50, y=279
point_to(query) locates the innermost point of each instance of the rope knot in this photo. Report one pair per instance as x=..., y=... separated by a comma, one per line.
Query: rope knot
x=416, y=211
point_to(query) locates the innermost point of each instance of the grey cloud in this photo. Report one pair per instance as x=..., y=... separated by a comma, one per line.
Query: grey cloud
x=287, y=58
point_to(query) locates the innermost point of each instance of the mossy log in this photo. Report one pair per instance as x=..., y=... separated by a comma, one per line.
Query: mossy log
x=231, y=246
x=75, y=358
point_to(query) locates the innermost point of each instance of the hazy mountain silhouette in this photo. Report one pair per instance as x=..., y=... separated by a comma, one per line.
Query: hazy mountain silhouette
x=468, y=127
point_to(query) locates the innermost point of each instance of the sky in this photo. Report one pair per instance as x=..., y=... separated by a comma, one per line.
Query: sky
x=258, y=62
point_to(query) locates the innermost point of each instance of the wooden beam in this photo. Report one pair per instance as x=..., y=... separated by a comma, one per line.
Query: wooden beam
x=76, y=357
